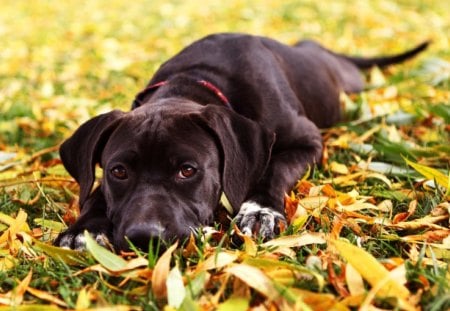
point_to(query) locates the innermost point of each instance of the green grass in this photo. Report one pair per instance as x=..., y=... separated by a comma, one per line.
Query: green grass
x=64, y=62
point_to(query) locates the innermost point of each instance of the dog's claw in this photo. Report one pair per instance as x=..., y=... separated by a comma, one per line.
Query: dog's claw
x=251, y=215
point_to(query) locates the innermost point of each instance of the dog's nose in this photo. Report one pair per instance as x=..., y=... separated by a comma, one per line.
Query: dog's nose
x=140, y=235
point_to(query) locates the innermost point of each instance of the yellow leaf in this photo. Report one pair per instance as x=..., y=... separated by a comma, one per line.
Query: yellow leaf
x=34, y=308
x=217, y=260
x=234, y=304
x=315, y=202
x=296, y=240
x=249, y=245
x=372, y=271
x=354, y=280
x=430, y=173
x=7, y=262
x=254, y=278
x=339, y=168
x=83, y=300
x=69, y=256
x=46, y=296
x=15, y=296
x=376, y=77
x=380, y=177
x=357, y=206
x=19, y=224
x=160, y=273
x=316, y=301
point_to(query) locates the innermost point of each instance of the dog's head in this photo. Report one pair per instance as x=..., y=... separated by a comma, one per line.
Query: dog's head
x=165, y=166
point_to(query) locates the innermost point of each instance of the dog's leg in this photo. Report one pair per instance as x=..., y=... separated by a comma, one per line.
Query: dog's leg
x=93, y=219
x=263, y=210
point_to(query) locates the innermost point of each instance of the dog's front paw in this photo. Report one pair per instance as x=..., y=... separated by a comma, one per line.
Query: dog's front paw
x=264, y=222
x=75, y=240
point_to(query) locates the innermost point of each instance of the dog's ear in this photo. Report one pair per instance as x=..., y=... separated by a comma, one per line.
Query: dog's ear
x=246, y=148
x=81, y=152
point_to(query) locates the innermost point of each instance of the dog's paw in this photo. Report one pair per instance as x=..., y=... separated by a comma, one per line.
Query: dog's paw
x=264, y=222
x=77, y=241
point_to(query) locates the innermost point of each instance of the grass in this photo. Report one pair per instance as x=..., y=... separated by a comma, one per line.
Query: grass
x=62, y=63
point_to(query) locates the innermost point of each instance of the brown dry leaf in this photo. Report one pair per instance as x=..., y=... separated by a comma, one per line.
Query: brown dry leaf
x=160, y=273
x=405, y=215
x=433, y=236
x=421, y=223
x=337, y=280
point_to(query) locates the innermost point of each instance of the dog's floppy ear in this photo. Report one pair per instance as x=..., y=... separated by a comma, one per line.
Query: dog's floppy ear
x=246, y=149
x=81, y=152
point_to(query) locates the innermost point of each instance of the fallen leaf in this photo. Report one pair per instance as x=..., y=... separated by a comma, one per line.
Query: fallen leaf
x=161, y=272
x=354, y=281
x=70, y=257
x=371, y=270
x=218, y=260
x=15, y=296
x=46, y=296
x=431, y=173
x=303, y=239
x=106, y=258
x=254, y=278
x=176, y=292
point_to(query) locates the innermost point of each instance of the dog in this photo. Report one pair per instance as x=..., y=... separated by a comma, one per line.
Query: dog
x=231, y=114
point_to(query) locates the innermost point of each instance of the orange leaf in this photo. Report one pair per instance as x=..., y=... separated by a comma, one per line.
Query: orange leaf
x=160, y=273
x=328, y=190
x=304, y=186
x=290, y=207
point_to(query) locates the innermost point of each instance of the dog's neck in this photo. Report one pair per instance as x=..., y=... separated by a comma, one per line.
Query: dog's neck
x=186, y=87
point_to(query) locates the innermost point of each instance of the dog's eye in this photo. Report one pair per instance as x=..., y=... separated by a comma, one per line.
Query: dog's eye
x=119, y=172
x=186, y=171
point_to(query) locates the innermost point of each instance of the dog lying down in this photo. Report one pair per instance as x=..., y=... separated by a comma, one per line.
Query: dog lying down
x=231, y=113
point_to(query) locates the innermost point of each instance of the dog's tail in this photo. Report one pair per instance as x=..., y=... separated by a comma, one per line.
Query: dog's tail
x=383, y=61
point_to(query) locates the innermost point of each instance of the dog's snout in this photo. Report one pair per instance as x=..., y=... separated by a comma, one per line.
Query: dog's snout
x=140, y=235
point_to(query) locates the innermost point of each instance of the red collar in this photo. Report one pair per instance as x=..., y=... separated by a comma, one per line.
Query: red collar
x=204, y=83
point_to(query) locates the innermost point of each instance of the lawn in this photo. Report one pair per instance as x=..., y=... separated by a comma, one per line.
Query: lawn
x=368, y=229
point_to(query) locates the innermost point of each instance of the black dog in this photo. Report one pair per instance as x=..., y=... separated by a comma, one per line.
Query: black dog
x=231, y=113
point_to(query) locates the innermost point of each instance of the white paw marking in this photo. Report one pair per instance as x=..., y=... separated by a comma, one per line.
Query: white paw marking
x=251, y=213
x=78, y=242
